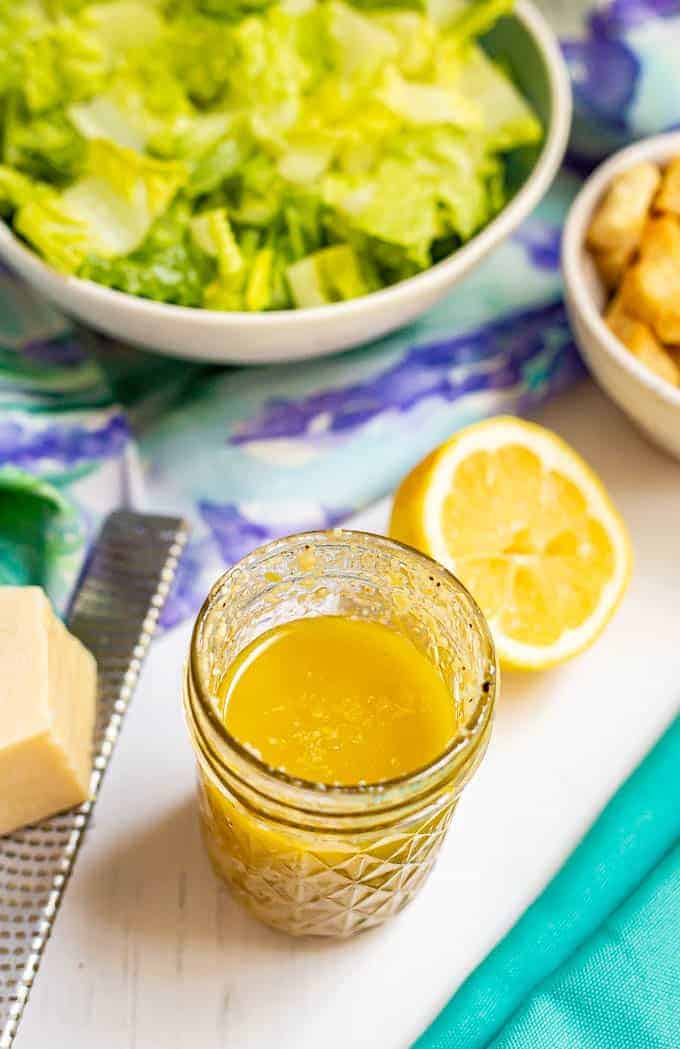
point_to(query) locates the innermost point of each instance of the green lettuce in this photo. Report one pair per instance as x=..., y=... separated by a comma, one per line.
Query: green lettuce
x=329, y=275
x=507, y=120
x=60, y=237
x=63, y=63
x=468, y=21
x=253, y=154
x=168, y=266
x=212, y=233
x=108, y=211
x=16, y=190
x=44, y=145
x=233, y=10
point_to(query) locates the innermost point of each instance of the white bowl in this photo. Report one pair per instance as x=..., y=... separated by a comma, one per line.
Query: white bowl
x=650, y=402
x=527, y=44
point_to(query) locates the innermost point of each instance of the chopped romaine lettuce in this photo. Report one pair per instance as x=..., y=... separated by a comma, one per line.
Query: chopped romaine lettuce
x=62, y=63
x=169, y=265
x=212, y=233
x=426, y=105
x=470, y=20
x=329, y=275
x=102, y=118
x=60, y=237
x=253, y=154
x=44, y=145
x=123, y=27
x=359, y=43
x=106, y=212
x=507, y=118
x=15, y=189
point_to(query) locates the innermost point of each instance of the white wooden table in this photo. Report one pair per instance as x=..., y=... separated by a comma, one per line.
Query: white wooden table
x=149, y=952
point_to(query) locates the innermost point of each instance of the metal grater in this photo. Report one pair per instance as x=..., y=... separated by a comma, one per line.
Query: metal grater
x=115, y=611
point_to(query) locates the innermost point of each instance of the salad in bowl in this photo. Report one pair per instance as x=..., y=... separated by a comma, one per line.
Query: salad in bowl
x=268, y=180
x=250, y=155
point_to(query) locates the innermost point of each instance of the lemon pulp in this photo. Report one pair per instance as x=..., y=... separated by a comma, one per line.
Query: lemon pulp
x=524, y=522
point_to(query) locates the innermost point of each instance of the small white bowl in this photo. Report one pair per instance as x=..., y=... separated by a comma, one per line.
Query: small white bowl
x=650, y=402
x=527, y=43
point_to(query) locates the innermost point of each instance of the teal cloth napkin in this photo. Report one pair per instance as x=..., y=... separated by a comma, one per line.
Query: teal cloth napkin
x=594, y=963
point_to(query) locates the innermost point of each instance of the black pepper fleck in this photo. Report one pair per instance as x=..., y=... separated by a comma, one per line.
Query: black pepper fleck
x=486, y=686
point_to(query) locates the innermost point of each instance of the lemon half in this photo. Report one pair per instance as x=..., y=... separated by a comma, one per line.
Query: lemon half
x=521, y=519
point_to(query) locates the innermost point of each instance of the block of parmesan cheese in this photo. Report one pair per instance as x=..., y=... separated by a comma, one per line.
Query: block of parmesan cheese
x=48, y=685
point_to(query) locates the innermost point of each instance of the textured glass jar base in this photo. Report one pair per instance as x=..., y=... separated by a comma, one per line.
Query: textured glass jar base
x=319, y=886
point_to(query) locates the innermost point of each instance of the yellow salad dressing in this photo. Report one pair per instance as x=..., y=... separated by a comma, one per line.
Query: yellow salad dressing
x=338, y=701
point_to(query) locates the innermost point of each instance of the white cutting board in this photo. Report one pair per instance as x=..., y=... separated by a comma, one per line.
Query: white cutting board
x=149, y=953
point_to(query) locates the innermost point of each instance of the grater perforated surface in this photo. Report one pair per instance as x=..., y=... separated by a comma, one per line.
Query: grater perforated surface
x=114, y=613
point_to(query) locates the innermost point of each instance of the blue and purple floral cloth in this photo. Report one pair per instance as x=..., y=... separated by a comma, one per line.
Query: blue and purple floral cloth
x=249, y=454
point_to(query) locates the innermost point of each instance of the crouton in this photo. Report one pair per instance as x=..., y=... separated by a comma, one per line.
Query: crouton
x=668, y=197
x=620, y=217
x=650, y=291
x=611, y=264
x=643, y=344
x=660, y=239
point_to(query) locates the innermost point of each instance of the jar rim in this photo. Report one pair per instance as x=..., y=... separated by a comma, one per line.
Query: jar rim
x=459, y=751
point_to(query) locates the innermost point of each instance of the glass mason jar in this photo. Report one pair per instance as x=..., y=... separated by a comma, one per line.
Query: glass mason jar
x=310, y=858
